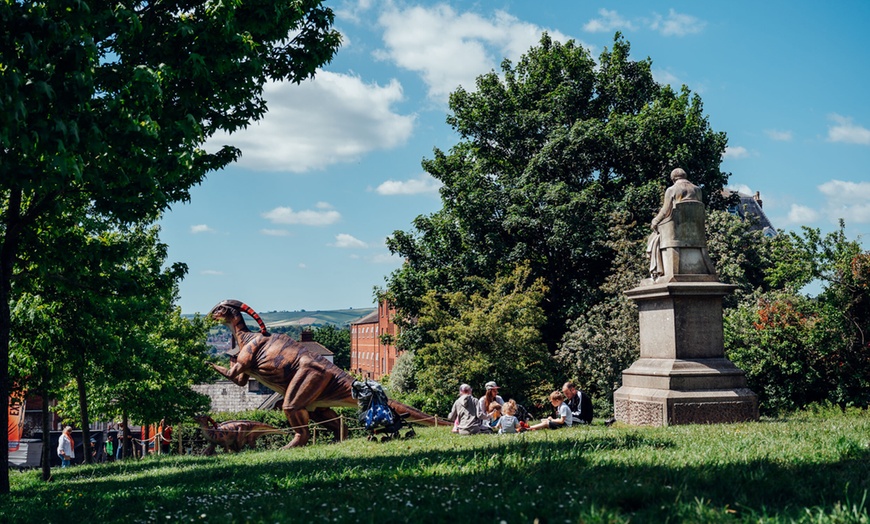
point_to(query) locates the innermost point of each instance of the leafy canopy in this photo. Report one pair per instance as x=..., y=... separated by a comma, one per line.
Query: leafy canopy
x=548, y=150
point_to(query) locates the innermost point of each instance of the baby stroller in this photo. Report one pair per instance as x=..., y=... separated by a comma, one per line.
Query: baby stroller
x=375, y=413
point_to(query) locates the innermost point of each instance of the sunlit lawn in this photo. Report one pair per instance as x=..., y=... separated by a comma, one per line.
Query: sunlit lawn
x=808, y=468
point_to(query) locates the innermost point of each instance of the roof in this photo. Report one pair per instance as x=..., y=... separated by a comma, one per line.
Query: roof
x=750, y=207
x=371, y=318
x=307, y=341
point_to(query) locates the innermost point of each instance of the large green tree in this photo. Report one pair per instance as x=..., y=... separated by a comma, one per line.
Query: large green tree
x=107, y=104
x=549, y=149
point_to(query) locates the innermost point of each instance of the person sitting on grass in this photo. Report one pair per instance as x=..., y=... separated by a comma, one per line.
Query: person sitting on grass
x=465, y=412
x=557, y=399
x=508, y=422
x=496, y=414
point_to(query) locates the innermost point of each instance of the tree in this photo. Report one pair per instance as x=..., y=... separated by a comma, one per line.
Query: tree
x=796, y=349
x=107, y=104
x=493, y=334
x=337, y=340
x=546, y=155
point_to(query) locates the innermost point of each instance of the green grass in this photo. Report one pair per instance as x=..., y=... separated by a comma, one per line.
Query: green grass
x=809, y=468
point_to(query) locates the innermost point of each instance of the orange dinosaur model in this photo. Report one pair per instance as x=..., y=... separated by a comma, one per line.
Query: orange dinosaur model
x=232, y=435
x=311, y=385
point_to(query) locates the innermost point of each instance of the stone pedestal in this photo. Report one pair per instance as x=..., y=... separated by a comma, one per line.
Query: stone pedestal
x=682, y=375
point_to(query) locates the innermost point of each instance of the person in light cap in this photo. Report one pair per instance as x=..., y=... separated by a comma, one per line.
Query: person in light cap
x=486, y=406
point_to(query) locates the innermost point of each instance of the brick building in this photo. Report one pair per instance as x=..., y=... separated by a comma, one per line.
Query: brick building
x=372, y=343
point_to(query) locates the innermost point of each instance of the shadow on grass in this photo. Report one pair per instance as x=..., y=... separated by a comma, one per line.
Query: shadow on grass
x=606, y=478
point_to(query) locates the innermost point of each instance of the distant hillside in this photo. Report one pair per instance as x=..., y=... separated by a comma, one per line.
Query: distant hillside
x=336, y=317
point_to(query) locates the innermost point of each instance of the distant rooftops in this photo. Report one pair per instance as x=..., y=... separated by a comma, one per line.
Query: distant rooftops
x=750, y=208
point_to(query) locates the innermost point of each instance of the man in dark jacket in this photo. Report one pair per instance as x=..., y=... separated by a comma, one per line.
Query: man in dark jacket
x=579, y=403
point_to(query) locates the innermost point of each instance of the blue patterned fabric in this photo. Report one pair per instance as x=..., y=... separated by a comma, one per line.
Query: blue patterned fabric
x=378, y=415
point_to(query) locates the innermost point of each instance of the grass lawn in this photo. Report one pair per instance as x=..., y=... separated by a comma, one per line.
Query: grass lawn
x=812, y=467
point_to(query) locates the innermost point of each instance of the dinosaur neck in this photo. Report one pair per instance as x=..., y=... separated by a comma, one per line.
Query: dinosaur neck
x=239, y=329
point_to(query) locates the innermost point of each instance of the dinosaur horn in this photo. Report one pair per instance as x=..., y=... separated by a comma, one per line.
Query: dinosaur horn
x=247, y=309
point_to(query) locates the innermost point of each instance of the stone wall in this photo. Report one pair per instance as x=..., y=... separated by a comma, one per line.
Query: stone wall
x=227, y=396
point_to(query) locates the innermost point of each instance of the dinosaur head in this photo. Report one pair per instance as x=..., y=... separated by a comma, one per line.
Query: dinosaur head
x=227, y=310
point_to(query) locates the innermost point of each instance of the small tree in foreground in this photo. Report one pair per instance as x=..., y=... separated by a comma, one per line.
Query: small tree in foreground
x=493, y=334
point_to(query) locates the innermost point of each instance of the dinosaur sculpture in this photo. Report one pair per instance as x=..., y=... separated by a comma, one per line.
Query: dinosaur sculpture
x=311, y=385
x=232, y=435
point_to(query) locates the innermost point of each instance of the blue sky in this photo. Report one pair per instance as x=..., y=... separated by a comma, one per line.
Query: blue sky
x=300, y=221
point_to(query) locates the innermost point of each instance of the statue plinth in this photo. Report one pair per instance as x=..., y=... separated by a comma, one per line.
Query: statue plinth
x=682, y=375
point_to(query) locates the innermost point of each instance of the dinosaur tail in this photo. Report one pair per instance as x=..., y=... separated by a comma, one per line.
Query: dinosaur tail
x=417, y=416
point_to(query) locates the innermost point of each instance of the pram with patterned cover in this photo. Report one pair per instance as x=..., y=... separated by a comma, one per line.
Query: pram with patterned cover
x=375, y=413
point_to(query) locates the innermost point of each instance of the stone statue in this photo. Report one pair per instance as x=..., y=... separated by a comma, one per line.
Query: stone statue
x=677, y=247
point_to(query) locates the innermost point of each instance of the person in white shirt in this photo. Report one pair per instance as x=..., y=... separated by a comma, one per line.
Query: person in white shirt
x=557, y=399
x=66, y=448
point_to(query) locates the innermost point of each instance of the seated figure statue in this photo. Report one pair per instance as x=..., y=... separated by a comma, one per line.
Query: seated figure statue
x=678, y=244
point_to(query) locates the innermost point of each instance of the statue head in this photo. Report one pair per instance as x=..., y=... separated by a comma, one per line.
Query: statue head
x=678, y=174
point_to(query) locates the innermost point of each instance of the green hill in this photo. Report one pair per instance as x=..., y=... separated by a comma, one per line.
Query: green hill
x=336, y=317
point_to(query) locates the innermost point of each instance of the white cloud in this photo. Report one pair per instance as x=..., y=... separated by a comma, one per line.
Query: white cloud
x=422, y=184
x=201, y=228
x=677, y=24
x=331, y=119
x=386, y=258
x=344, y=240
x=847, y=200
x=801, y=215
x=845, y=131
x=609, y=22
x=734, y=153
x=302, y=265
x=779, y=136
x=275, y=232
x=307, y=217
x=666, y=77
x=211, y=272
x=449, y=49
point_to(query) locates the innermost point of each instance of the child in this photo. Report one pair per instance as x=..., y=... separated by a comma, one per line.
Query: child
x=508, y=423
x=495, y=414
x=557, y=399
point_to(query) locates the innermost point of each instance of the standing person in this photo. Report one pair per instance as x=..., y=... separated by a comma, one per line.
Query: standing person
x=66, y=448
x=578, y=402
x=557, y=399
x=487, y=403
x=465, y=412
x=165, y=437
x=508, y=422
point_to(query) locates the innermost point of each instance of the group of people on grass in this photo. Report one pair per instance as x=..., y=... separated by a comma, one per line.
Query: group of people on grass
x=491, y=414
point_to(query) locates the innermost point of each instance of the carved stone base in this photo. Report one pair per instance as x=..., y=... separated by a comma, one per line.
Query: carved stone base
x=682, y=375
x=656, y=407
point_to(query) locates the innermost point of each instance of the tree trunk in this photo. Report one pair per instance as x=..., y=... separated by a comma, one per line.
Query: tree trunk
x=83, y=406
x=46, y=436
x=125, y=443
x=11, y=231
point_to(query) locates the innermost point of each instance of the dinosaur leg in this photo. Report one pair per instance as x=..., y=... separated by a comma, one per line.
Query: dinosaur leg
x=298, y=418
x=306, y=386
x=330, y=420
